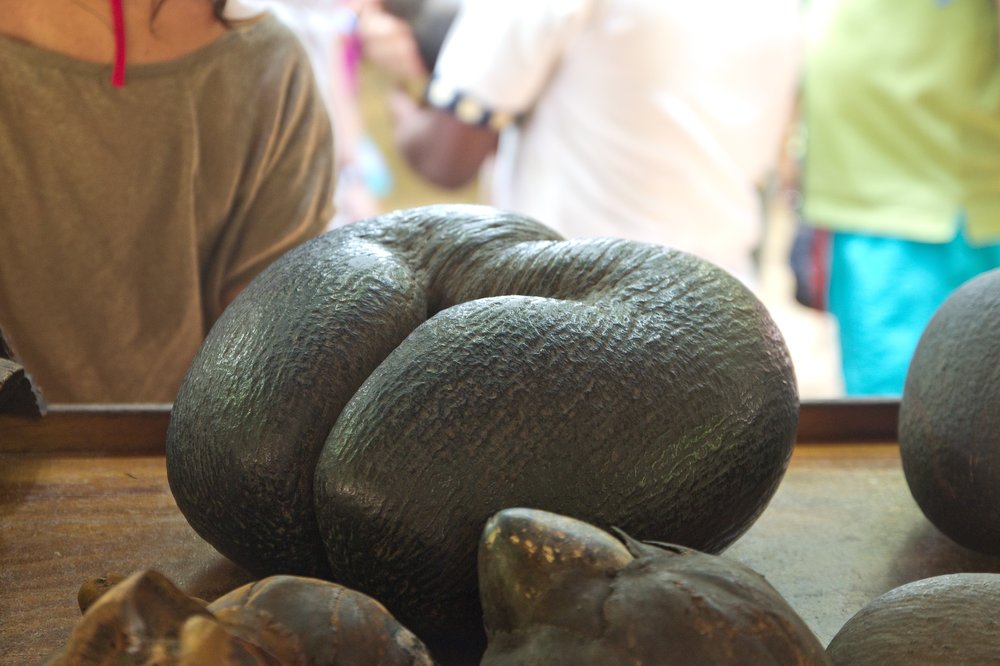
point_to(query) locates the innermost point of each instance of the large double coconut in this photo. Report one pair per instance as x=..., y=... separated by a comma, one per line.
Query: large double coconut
x=371, y=399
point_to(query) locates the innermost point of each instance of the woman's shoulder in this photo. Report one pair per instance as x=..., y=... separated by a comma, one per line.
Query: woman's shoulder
x=262, y=48
x=264, y=32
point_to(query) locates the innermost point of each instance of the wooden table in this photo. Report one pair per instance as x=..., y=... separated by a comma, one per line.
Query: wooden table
x=84, y=492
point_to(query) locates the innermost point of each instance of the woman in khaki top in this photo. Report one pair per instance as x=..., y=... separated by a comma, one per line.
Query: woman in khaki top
x=144, y=181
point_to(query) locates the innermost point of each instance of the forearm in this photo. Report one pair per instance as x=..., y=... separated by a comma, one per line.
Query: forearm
x=439, y=147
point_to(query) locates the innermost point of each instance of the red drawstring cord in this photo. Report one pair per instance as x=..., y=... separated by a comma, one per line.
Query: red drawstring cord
x=118, y=17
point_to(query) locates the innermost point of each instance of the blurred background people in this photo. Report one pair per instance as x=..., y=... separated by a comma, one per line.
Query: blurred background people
x=328, y=31
x=902, y=169
x=643, y=119
x=146, y=179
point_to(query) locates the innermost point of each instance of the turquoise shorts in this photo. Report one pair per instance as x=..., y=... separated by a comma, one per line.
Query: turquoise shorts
x=884, y=291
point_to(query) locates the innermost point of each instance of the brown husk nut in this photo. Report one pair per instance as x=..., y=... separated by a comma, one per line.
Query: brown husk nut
x=556, y=590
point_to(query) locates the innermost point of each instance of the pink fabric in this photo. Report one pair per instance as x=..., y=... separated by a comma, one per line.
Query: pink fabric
x=352, y=56
x=118, y=18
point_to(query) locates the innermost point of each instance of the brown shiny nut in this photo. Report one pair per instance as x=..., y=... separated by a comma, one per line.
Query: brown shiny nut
x=92, y=589
x=556, y=590
x=136, y=621
x=324, y=622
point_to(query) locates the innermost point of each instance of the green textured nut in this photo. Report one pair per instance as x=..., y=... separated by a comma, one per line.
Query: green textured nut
x=937, y=621
x=372, y=398
x=949, y=417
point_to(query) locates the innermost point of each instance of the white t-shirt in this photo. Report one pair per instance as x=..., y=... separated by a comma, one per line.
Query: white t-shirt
x=645, y=119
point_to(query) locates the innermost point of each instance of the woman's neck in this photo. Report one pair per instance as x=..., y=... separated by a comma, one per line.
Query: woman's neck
x=83, y=28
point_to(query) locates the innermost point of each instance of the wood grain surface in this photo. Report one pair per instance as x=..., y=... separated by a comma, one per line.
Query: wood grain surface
x=66, y=519
x=841, y=530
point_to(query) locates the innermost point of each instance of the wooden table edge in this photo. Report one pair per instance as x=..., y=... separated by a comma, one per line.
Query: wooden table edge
x=140, y=429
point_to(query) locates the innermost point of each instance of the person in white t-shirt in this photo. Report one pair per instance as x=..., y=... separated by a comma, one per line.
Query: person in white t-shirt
x=653, y=120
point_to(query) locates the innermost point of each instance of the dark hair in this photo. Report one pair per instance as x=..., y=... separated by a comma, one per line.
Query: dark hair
x=218, y=7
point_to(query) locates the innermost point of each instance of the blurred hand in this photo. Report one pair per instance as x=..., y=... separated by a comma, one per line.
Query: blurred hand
x=403, y=108
x=389, y=44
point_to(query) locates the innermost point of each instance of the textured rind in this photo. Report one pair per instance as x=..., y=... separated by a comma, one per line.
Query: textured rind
x=18, y=395
x=618, y=382
x=939, y=621
x=278, y=367
x=265, y=389
x=558, y=593
x=949, y=419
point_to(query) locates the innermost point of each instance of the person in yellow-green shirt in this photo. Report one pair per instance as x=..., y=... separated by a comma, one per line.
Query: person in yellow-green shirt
x=902, y=168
